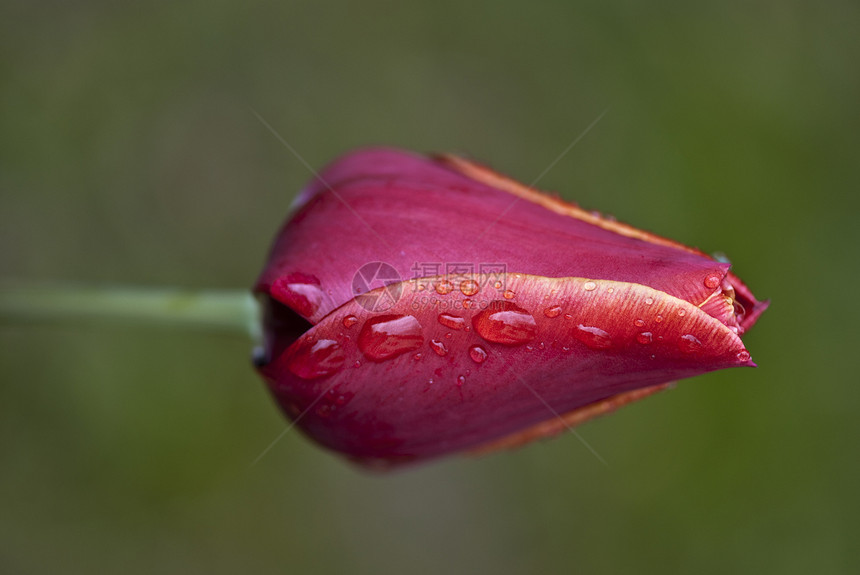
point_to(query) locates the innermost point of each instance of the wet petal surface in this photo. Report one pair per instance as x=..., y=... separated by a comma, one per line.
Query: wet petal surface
x=409, y=401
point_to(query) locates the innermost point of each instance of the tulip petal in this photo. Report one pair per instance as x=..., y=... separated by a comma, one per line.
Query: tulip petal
x=408, y=210
x=410, y=384
x=750, y=307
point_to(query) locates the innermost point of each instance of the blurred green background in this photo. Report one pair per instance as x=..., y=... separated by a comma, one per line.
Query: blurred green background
x=129, y=154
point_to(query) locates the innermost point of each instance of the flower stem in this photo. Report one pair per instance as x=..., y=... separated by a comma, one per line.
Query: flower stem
x=234, y=311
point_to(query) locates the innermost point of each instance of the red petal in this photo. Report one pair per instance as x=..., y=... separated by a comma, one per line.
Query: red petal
x=386, y=394
x=402, y=209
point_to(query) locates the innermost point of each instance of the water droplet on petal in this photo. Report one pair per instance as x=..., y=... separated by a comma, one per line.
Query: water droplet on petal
x=315, y=359
x=356, y=364
x=644, y=338
x=649, y=300
x=554, y=311
x=451, y=321
x=461, y=380
x=593, y=337
x=469, y=287
x=506, y=323
x=299, y=291
x=568, y=316
x=589, y=286
x=689, y=344
x=497, y=285
x=349, y=321
x=743, y=356
x=343, y=399
x=639, y=323
x=508, y=294
x=478, y=354
x=387, y=336
x=444, y=287
x=682, y=312
x=712, y=281
x=659, y=318
x=438, y=347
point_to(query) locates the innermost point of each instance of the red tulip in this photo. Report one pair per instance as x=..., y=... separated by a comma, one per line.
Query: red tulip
x=420, y=306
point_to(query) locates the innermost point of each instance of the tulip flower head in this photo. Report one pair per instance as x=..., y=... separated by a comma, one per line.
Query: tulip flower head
x=419, y=306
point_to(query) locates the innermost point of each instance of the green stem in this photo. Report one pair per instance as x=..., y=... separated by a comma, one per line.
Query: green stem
x=233, y=311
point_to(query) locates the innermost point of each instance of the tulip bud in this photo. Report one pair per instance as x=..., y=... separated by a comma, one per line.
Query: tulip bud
x=416, y=307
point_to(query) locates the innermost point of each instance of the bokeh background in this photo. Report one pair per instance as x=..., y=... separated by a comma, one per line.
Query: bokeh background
x=129, y=154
